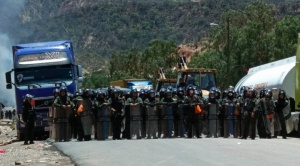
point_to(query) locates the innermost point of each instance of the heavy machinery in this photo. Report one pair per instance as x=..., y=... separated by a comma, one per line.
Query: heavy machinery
x=163, y=82
x=202, y=78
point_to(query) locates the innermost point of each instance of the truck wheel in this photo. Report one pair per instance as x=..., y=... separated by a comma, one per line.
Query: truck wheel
x=20, y=136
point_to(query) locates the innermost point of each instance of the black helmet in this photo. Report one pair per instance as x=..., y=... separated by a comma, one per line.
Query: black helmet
x=180, y=92
x=115, y=91
x=218, y=93
x=162, y=92
x=230, y=93
x=169, y=93
x=56, y=91
x=93, y=93
x=174, y=91
x=142, y=93
x=262, y=93
x=63, y=88
x=101, y=93
x=78, y=93
x=188, y=89
x=212, y=94
x=224, y=94
x=146, y=91
x=243, y=91
x=151, y=93
x=269, y=93
x=170, y=88
x=134, y=91
x=281, y=92
x=253, y=93
x=28, y=96
x=86, y=93
x=126, y=94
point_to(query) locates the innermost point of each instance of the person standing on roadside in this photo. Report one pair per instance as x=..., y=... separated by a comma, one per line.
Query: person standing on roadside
x=28, y=116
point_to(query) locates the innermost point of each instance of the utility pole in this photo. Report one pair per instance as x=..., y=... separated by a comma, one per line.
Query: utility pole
x=228, y=49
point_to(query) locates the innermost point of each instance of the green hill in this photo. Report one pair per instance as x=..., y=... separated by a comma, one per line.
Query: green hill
x=103, y=26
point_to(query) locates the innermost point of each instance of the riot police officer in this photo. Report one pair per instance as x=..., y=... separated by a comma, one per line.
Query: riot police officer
x=180, y=125
x=192, y=118
x=248, y=107
x=167, y=114
x=213, y=110
x=134, y=115
x=29, y=116
x=267, y=107
x=280, y=104
x=116, y=104
x=63, y=111
x=73, y=118
x=84, y=119
x=151, y=114
x=230, y=118
x=243, y=94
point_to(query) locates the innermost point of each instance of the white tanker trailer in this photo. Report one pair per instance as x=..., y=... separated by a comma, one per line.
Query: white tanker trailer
x=282, y=74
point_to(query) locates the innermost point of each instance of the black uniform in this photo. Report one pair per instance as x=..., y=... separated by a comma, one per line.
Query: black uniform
x=29, y=116
x=192, y=117
x=280, y=104
x=116, y=104
x=249, y=118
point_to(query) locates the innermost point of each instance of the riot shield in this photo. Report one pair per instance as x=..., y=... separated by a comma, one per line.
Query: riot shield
x=135, y=121
x=229, y=120
x=51, y=135
x=181, y=123
x=261, y=129
x=86, y=121
x=213, y=121
x=103, y=122
x=160, y=123
x=126, y=121
x=61, y=126
x=288, y=118
x=236, y=123
x=151, y=121
x=168, y=120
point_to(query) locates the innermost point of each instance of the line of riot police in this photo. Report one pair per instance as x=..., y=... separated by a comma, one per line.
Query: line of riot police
x=171, y=113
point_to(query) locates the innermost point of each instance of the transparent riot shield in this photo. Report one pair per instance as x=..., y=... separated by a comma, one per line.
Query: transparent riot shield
x=135, y=121
x=181, y=122
x=213, y=121
x=103, y=122
x=61, y=126
x=168, y=120
x=151, y=121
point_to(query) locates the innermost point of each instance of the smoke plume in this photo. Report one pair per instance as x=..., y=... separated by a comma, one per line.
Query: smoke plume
x=9, y=20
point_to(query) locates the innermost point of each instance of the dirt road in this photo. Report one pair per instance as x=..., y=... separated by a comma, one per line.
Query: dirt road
x=41, y=153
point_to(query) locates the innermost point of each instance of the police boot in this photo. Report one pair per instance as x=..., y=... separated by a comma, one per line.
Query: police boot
x=275, y=134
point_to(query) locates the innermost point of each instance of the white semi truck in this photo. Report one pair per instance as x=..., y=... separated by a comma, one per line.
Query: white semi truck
x=282, y=74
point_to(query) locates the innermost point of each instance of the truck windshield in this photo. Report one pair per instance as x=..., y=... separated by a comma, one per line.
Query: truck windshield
x=203, y=81
x=43, y=74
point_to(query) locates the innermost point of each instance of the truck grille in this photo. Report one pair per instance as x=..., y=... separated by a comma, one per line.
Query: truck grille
x=43, y=103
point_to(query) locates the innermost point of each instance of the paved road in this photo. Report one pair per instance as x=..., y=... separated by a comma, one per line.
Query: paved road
x=205, y=151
